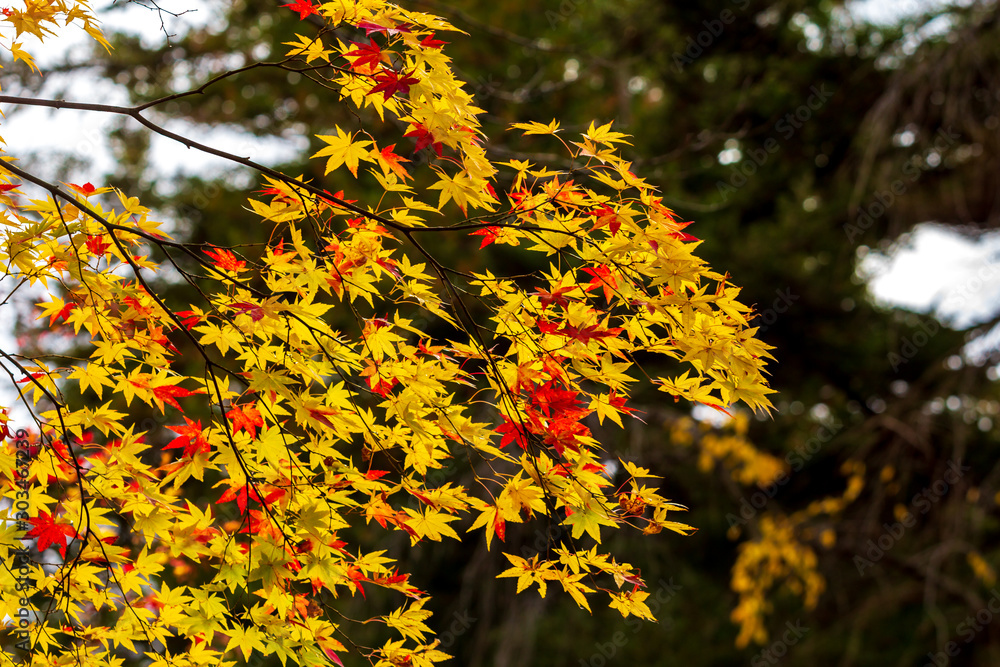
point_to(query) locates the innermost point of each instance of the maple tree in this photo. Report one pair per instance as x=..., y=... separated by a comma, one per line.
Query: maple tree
x=314, y=431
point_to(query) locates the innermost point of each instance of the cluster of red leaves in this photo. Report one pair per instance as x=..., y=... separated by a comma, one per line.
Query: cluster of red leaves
x=552, y=415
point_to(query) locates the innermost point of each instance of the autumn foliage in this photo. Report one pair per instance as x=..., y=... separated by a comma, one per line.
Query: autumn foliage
x=307, y=430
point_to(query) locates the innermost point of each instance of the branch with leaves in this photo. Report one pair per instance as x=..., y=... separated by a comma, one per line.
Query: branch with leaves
x=339, y=365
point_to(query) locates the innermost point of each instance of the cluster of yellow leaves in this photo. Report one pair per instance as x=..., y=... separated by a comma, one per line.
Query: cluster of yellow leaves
x=779, y=556
x=730, y=447
x=312, y=431
x=41, y=19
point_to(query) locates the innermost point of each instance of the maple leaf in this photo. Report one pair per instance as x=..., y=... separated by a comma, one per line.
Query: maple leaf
x=168, y=394
x=631, y=603
x=303, y=7
x=606, y=217
x=489, y=235
x=244, y=493
x=245, y=417
x=556, y=297
x=537, y=128
x=225, y=259
x=432, y=43
x=511, y=432
x=390, y=82
x=367, y=55
x=254, y=310
x=370, y=27
x=49, y=532
x=603, y=134
x=343, y=149
x=59, y=310
x=424, y=138
x=601, y=278
x=190, y=437
x=587, y=519
x=85, y=189
x=390, y=162
x=97, y=245
x=188, y=318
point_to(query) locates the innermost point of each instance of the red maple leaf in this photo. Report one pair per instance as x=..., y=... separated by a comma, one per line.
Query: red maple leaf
x=424, y=138
x=390, y=82
x=169, y=394
x=63, y=313
x=244, y=494
x=370, y=27
x=550, y=400
x=6, y=187
x=367, y=54
x=489, y=235
x=49, y=532
x=601, y=278
x=320, y=415
x=86, y=189
x=511, y=432
x=557, y=297
x=561, y=434
x=587, y=334
x=225, y=259
x=189, y=318
x=247, y=418
x=606, y=218
x=255, y=312
x=393, y=161
x=432, y=43
x=338, y=198
x=303, y=7
x=618, y=402
x=97, y=244
x=191, y=438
